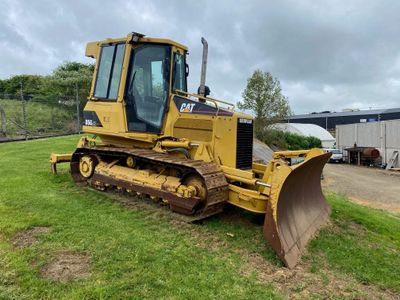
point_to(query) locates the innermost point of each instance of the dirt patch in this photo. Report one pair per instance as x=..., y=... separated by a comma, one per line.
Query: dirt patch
x=67, y=266
x=365, y=202
x=29, y=237
x=366, y=186
x=232, y=214
x=302, y=283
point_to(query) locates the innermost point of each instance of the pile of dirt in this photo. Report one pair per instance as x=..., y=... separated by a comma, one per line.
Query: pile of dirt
x=29, y=237
x=67, y=266
x=262, y=153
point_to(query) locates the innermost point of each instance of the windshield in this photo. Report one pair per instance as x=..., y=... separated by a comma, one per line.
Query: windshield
x=335, y=151
x=148, y=86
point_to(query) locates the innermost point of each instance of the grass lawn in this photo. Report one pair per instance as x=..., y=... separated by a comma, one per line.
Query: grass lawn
x=134, y=252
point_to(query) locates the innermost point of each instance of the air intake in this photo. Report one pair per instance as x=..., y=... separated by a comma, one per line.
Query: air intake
x=244, y=144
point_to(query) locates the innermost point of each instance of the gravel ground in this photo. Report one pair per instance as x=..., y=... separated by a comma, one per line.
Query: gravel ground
x=367, y=186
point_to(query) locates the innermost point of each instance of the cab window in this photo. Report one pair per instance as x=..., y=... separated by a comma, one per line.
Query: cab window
x=148, y=87
x=109, y=71
x=179, y=77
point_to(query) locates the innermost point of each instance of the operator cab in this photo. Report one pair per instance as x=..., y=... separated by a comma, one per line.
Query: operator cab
x=148, y=85
x=142, y=73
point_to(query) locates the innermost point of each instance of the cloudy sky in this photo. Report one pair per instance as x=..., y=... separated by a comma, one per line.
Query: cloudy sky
x=328, y=55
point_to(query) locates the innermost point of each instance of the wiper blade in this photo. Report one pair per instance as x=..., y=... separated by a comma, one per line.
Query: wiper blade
x=130, y=91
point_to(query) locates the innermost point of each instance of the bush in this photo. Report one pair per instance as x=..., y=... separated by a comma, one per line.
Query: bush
x=290, y=141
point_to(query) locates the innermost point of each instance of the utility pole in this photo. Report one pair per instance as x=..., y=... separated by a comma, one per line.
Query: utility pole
x=77, y=107
x=23, y=112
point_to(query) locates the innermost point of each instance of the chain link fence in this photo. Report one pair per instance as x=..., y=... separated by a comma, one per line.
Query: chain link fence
x=27, y=116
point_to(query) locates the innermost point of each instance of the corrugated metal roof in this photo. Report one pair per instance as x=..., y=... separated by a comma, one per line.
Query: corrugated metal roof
x=346, y=113
x=306, y=130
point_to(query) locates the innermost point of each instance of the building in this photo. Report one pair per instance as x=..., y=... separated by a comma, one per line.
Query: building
x=327, y=140
x=329, y=120
x=384, y=136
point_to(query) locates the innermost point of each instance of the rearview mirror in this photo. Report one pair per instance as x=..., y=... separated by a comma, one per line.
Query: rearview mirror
x=186, y=70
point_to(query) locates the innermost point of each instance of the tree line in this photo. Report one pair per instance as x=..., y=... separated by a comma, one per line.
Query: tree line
x=62, y=84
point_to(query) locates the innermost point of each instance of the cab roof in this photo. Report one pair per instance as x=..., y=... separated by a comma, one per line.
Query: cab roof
x=92, y=47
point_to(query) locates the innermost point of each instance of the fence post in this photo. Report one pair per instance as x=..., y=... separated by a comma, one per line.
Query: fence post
x=3, y=121
x=23, y=112
x=77, y=108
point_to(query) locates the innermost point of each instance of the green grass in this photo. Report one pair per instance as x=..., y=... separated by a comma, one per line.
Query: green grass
x=133, y=254
x=363, y=242
x=138, y=253
x=41, y=118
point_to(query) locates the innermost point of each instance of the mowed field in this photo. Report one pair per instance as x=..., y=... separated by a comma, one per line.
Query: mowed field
x=59, y=241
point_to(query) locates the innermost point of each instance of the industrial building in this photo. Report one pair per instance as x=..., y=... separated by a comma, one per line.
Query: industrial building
x=383, y=135
x=329, y=120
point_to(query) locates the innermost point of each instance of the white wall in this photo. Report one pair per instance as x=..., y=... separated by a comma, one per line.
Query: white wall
x=385, y=136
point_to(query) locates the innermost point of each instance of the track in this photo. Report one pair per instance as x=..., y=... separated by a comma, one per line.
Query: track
x=213, y=178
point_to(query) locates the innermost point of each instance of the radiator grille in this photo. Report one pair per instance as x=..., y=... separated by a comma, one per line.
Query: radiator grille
x=244, y=144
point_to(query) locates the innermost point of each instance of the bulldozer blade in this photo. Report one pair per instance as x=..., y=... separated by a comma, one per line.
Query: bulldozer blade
x=297, y=208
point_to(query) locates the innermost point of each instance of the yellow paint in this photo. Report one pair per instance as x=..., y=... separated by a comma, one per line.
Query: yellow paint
x=210, y=138
x=147, y=178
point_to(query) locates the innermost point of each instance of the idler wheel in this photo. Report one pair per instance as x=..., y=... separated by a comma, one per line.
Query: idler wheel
x=86, y=166
x=198, y=183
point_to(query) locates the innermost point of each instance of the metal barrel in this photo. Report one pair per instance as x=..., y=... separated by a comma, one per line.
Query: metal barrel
x=297, y=207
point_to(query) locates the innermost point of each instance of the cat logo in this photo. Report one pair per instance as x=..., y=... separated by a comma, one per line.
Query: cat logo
x=187, y=107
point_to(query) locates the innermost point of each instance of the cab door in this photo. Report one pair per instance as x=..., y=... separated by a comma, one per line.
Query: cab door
x=148, y=87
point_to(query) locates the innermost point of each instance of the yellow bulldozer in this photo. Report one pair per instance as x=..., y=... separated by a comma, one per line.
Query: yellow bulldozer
x=188, y=151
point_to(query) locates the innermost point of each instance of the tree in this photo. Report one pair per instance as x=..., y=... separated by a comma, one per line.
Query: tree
x=263, y=96
x=31, y=85
x=64, y=80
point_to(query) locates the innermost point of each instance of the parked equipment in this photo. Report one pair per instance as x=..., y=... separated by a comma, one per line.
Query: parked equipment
x=188, y=151
x=337, y=155
x=367, y=156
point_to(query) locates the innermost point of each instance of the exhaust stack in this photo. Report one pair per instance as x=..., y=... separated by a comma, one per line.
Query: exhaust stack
x=203, y=89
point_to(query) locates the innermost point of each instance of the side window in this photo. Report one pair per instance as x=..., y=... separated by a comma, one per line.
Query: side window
x=109, y=72
x=179, y=73
x=156, y=79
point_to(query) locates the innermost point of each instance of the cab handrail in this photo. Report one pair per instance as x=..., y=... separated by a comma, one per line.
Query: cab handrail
x=213, y=100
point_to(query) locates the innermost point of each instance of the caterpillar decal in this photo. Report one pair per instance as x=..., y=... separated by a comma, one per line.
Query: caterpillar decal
x=185, y=105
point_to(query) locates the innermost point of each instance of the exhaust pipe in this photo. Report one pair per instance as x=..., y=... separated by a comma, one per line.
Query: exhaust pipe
x=203, y=89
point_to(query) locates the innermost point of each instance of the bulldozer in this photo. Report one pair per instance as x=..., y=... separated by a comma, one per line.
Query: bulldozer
x=150, y=137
